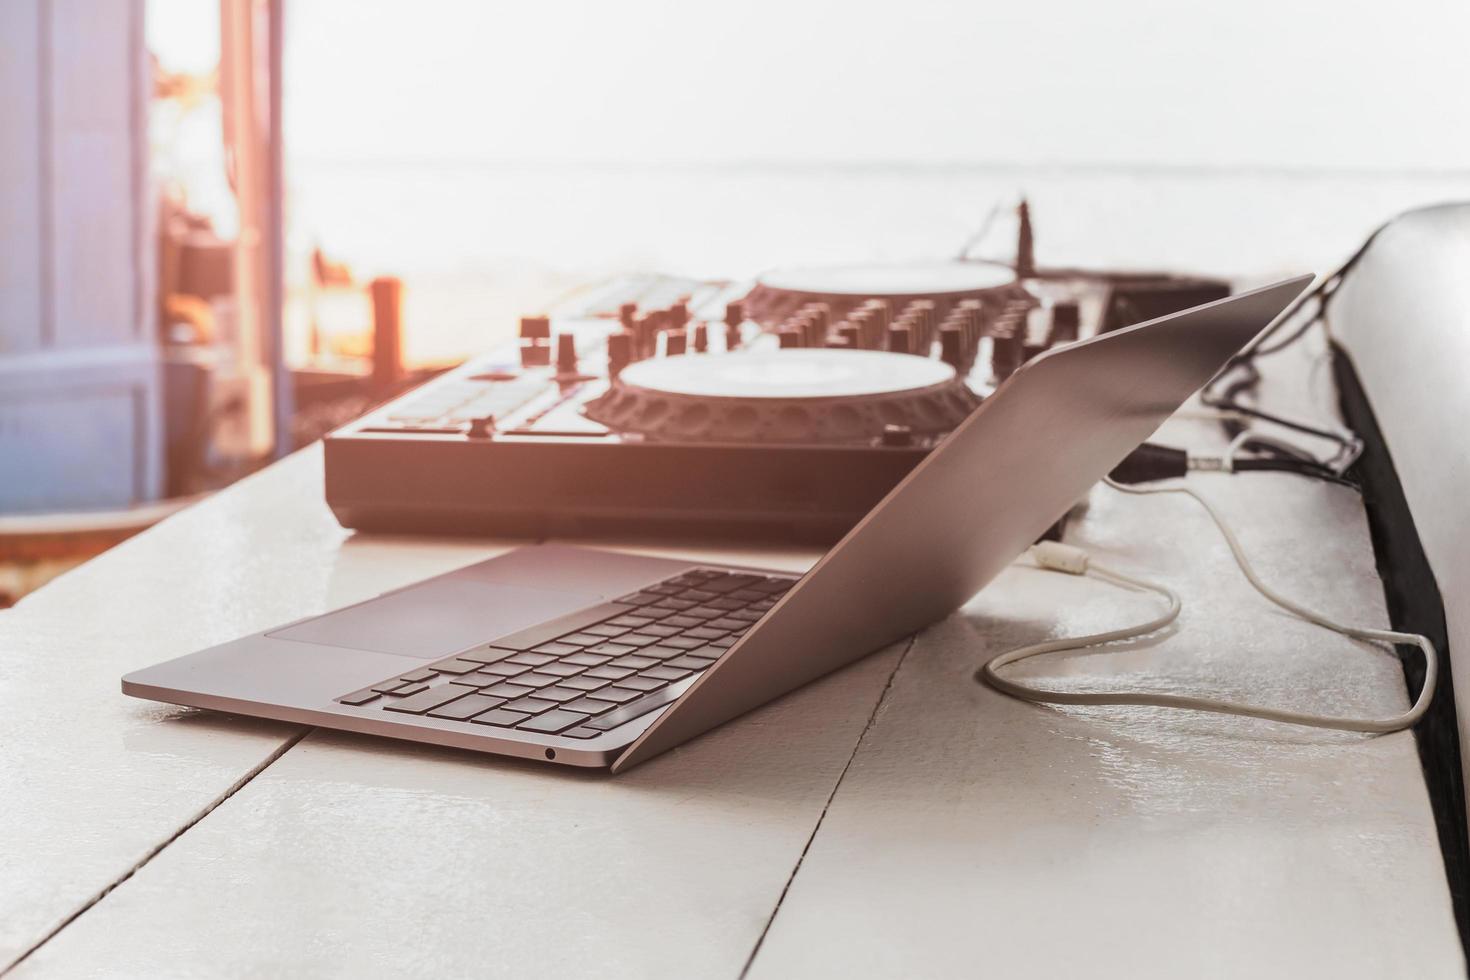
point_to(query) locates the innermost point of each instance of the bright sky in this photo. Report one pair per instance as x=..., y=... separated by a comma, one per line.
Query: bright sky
x=1305, y=83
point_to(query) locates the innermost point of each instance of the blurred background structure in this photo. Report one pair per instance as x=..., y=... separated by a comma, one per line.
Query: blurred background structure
x=229, y=225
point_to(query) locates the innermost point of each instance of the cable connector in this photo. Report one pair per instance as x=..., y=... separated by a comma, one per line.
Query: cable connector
x=1150, y=462
x=1058, y=557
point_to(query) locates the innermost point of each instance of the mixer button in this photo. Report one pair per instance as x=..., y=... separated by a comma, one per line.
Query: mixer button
x=675, y=342
x=952, y=346
x=535, y=328
x=899, y=339
x=701, y=337
x=896, y=435
x=789, y=337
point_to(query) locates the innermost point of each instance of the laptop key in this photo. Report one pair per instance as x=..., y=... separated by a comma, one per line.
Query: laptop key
x=608, y=672
x=703, y=613
x=657, y=629
x=614, y=694
x=664, y=673
x=537, y=679
x=662, y=652
x=429, y=698
x=554, y=649
x=729, y=605
x=639, y=599
x=359, y=697
x=501, y=718
x=418, y=676
x=509, y=690
x=729, y=583
x=692, y=663
x=603, y=629
x=638, y=682
x=637, y=639
x=561, y=669
x=632, y=622
x=611, y=649
x=585, y=683
x=581, y=639
x=389, y=686
x=682, y=643
x=488, y=655
x=562, y=625
x=583, y=732
x=552, y=722
x=745, y=595
x=682, y=622
x=634, y=661
x=455, y=666
x=531, y=659
x=725, y=641
x=725, y=623
x=706, y=633
x=531, y=706
x=504, y=669
x=590, y=706
x=408, y=689
x=466, y=707
x=585, y=660
x=747, y=615
x=561, y=693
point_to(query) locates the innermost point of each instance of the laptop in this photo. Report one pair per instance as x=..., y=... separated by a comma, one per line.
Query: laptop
x=603, y=659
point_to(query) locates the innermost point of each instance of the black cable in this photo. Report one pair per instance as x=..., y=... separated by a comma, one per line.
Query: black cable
x=1316, y=472
x=1151, y=462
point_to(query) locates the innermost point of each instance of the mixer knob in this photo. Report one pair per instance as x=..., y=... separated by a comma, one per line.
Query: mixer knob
x=676, y=342
x=952, y=346
x=851, y=334
x=566, y=354
x=679, y=313
x=735, y=313
x=732, y=336
x=701, y=337
x=1066, y=319
x=1005, y=351
x=900, y=339
x=535, y=328
x=645, y=331
x=619, y=352
x=789, y=337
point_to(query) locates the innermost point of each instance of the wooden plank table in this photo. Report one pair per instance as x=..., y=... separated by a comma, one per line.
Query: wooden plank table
x=892, y=819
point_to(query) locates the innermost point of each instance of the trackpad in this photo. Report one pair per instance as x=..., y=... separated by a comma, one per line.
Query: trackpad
x=436, y=618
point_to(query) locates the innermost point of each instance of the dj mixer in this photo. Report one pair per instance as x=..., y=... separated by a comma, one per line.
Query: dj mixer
x=783, y=408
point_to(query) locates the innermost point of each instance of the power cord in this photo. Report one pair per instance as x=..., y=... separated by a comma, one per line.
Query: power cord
x=1054, y=556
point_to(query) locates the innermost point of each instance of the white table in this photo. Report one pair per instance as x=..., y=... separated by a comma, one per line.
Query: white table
x=894, y=819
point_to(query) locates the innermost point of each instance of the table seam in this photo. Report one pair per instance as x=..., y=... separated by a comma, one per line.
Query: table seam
x=90, y=903
x=821, y=817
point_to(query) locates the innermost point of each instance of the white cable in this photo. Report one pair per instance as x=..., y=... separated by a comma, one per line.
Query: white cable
x=1056, y=557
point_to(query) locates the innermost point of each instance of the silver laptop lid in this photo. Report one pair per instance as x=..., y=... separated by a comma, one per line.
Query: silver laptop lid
x=1009, y=471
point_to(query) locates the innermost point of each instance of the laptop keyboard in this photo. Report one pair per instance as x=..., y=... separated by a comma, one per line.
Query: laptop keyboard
x=588, y=672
